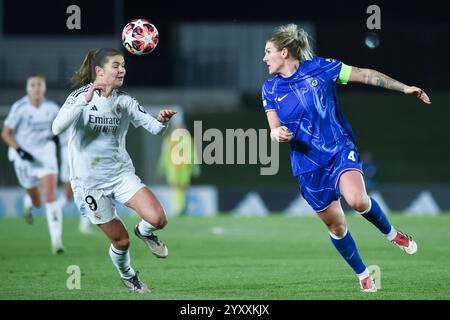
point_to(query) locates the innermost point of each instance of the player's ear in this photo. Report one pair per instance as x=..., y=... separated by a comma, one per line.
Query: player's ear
x=284, y=52
x=99, y=71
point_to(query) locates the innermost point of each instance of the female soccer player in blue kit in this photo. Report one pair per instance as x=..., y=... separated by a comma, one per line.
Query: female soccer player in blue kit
x=302, y=108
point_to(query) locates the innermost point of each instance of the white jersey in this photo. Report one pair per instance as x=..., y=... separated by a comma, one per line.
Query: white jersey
x=63, y=140
x=97, y=130
x=64, y=171
x=32, y=129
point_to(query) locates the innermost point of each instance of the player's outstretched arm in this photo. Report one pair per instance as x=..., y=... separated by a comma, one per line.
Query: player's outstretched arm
x=378, y=79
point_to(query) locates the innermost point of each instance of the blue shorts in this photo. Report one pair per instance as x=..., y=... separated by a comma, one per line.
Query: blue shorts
x=321, y=187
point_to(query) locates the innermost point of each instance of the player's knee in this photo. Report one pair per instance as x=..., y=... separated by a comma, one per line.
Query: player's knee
x=50, y=195
x=122, y=244
x=358, y=202
x=338, y=229
x=157, y=218
x=160, y=221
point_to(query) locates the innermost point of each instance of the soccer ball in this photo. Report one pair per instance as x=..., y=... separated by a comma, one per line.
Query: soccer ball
x=140, y=37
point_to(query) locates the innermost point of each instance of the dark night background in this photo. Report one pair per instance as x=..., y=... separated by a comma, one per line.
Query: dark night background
x=418, y=27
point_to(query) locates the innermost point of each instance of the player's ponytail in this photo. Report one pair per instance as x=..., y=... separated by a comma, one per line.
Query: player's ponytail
x=94, y=58
x=83, y=75
x=306, y=52
x=295, y=40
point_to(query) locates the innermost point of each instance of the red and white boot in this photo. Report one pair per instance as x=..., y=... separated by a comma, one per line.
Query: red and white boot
x=405, y=242
x=367, y=285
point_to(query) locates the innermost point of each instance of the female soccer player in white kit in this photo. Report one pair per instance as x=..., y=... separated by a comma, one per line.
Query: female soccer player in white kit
x=97, y=116
x=27, y=131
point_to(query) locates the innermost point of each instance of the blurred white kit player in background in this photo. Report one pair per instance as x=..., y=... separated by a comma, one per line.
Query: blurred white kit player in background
x=64, y=175
x=32, y=148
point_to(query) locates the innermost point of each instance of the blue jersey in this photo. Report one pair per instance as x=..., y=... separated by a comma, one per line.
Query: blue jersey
x=306, y=103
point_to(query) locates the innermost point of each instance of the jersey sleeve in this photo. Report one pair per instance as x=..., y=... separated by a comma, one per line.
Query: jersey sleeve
x=139, y=117
x=13, y=118
x=267, y=99
x=69, y=112
x=332, y=67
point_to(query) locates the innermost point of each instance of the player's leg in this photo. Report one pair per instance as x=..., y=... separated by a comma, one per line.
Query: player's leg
x=34, y=197
x=66, y=196
x=53, y=212
x=26, y=178
x=352, y=187
x=120, y=255
x=99, y=208
x=334, y=218
x=64, y=176
x=120, y=242
x=148, y=207
x=68, y=191
x=31, y=201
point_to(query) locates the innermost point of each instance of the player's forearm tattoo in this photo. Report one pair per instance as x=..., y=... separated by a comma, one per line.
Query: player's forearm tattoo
x=379, y=79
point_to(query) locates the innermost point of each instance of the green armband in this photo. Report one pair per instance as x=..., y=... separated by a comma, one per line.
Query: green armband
x=344, y=75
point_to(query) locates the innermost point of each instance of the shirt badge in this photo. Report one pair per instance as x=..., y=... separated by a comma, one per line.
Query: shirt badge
x=315, y=82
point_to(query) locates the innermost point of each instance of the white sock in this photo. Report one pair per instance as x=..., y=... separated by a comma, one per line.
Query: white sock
x=121, y=260
x=392, y=234
x=62, y=200
x=54, y=219
x=145, y=228
x=363, y=274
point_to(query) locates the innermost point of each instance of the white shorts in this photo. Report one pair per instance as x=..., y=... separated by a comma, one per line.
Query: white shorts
x=98, y=204
x=30, y=173
x=64, y=171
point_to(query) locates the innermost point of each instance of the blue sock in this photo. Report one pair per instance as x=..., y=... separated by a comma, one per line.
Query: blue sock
x=377, y=217
x=347, y=248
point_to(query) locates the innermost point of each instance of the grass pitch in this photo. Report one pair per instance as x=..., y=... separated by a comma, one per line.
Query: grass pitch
x=225, y=257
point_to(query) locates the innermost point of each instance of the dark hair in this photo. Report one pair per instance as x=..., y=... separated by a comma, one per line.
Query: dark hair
x=36, y=75
x=94, y=58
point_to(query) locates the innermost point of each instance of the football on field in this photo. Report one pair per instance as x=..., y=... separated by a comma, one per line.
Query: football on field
x=140, y=37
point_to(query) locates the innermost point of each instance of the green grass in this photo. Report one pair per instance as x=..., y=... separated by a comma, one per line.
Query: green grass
x=254, y=258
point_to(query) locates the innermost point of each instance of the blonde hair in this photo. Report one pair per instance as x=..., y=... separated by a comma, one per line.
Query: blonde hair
x=94, y=58
x=295, y=40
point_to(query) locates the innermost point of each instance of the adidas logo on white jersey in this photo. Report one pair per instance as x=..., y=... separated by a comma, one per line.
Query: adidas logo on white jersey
x=94, y=108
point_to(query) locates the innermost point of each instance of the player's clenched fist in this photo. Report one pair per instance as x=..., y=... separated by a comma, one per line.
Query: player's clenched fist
x=94, y=87
x=281, y=134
